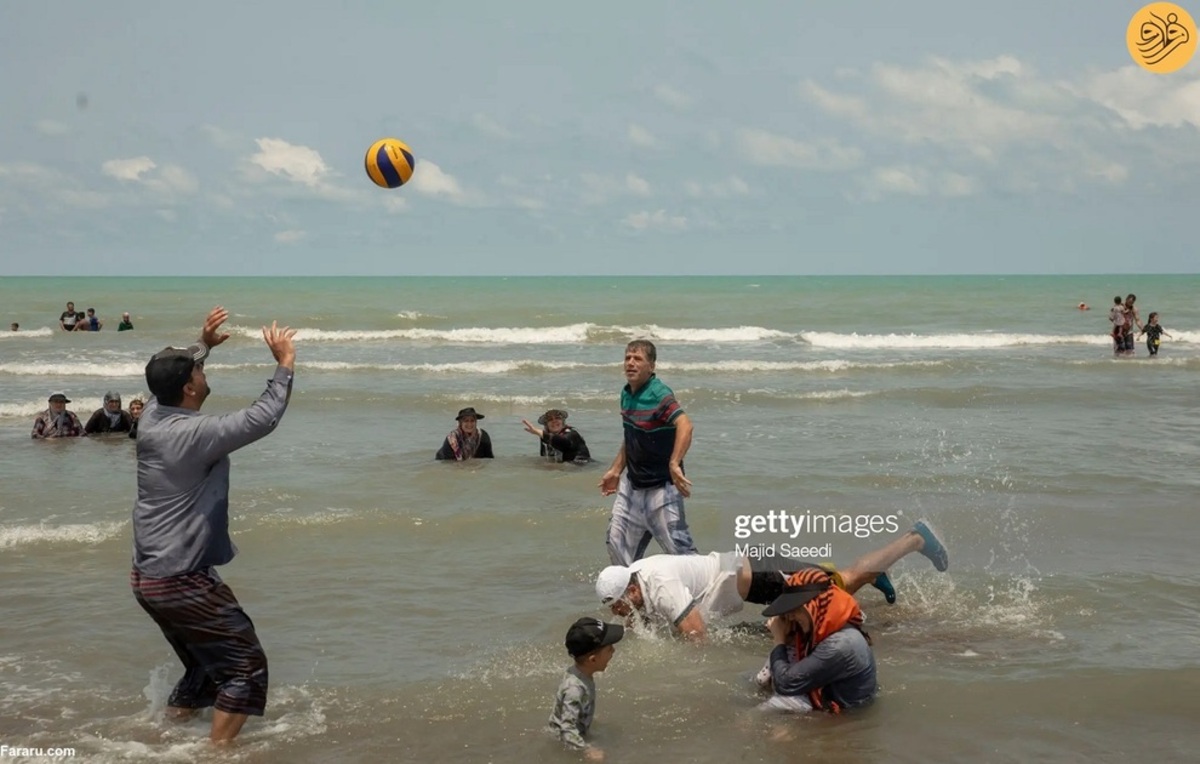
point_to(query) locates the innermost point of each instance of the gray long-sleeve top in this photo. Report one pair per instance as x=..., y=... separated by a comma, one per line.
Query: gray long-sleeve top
x=842, y=666
x=181, y=516
x=574, y=708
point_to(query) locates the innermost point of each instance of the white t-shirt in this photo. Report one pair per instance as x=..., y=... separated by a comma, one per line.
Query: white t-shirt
x=673, y=584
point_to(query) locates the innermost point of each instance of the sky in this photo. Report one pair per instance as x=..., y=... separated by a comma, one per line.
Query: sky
x=562, y=138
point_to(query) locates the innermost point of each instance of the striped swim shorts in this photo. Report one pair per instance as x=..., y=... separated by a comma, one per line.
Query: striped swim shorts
x=224, y=665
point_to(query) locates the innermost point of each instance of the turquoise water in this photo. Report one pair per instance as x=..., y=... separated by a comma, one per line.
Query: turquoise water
x=414, y=610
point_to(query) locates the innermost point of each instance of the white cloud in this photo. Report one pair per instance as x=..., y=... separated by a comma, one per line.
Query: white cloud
x=24, y=180
x=1144, y=99
x=671, y=97
x=488, y=126
x=912, y=180
x=954, y=184
x=659, y=219
x=290, y=236
x=128, y=169
x=222, y=138
x=51, y=127
x=169, y=179
x=299, y=164
x=395, y=202
x=637, y=186
x=999, y=117
x=431, y=180
x=641, y=137
x=723, y=189
x=768, y=149
x=599, y=189
x=175, y=178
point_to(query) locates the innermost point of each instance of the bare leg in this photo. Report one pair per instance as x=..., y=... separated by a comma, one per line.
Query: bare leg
x=225, y=726
x=865, y=569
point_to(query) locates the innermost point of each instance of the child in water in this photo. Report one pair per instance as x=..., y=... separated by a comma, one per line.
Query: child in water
x=1153, y=331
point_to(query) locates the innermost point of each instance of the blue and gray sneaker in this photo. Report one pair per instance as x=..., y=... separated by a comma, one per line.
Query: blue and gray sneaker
x=884, y=584
x=933, y=548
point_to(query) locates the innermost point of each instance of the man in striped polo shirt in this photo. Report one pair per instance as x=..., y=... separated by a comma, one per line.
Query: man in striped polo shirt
x=647, y=473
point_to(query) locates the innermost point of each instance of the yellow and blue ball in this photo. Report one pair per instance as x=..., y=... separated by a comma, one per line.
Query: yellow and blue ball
x=390, y=163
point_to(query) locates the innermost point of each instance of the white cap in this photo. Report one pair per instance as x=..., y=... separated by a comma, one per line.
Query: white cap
x=613, y=581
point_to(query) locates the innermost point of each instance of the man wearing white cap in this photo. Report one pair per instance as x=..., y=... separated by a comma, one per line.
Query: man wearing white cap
x=689, y=591
x=56, y=421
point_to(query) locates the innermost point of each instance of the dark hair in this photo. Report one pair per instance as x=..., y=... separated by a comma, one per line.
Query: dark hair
x=1132, y=296
x=646, y=346
x=1117, y=300
x=1153, y=314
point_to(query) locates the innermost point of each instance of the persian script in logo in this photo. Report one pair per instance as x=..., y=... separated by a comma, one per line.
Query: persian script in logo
x=1161, y=37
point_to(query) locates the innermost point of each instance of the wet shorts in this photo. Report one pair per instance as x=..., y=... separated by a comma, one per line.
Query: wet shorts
x=767, y=585
x=224, y=665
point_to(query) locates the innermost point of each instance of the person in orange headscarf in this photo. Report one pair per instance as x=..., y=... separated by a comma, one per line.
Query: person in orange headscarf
x=822, y=656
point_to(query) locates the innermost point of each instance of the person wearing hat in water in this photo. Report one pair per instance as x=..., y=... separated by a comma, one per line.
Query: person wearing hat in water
x=559, y=441
x=181, y=526
x=822, y=655
x=109, y=418
x=467, y=441
x=690, y=591
x=590, y=642
x=56, y=421
x=125, y=324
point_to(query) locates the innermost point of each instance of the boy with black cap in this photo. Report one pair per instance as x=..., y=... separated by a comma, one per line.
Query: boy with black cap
x=590, y=642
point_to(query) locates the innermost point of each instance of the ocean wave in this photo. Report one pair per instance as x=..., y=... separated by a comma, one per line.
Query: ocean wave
x=82, y=405
x=90, y=534
x=952, y=341
x=25, y=334
x=85, y=369
x=533, y=335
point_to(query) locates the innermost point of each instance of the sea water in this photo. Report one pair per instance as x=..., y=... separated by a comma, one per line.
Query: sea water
x=414, y=610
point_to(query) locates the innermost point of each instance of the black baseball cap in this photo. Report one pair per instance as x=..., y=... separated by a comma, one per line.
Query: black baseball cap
x=171, y=368
x=589, y=634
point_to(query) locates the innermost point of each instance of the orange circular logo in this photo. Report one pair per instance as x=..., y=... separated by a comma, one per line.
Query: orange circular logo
x=1161, y=37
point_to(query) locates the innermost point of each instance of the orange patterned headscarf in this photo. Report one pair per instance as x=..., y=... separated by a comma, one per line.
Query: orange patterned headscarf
x=830, y=611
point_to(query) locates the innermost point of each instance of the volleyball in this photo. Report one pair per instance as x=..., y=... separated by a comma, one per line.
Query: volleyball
x=389, y=163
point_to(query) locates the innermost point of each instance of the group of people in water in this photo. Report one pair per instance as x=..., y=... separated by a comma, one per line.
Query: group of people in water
x=821, y=657
x=1123, y=315
x=559, y=442
x=57, y=421
x=71, y=320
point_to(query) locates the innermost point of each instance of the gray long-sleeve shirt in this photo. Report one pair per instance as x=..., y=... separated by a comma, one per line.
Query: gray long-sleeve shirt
x=574, y=707
x=181, y=516
x=842, y=666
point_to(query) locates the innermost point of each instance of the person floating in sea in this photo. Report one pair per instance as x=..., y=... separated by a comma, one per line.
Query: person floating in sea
x=56, y=421
x=110, y=417
x=125, y=324
x=467, y=441
x=559, y=441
